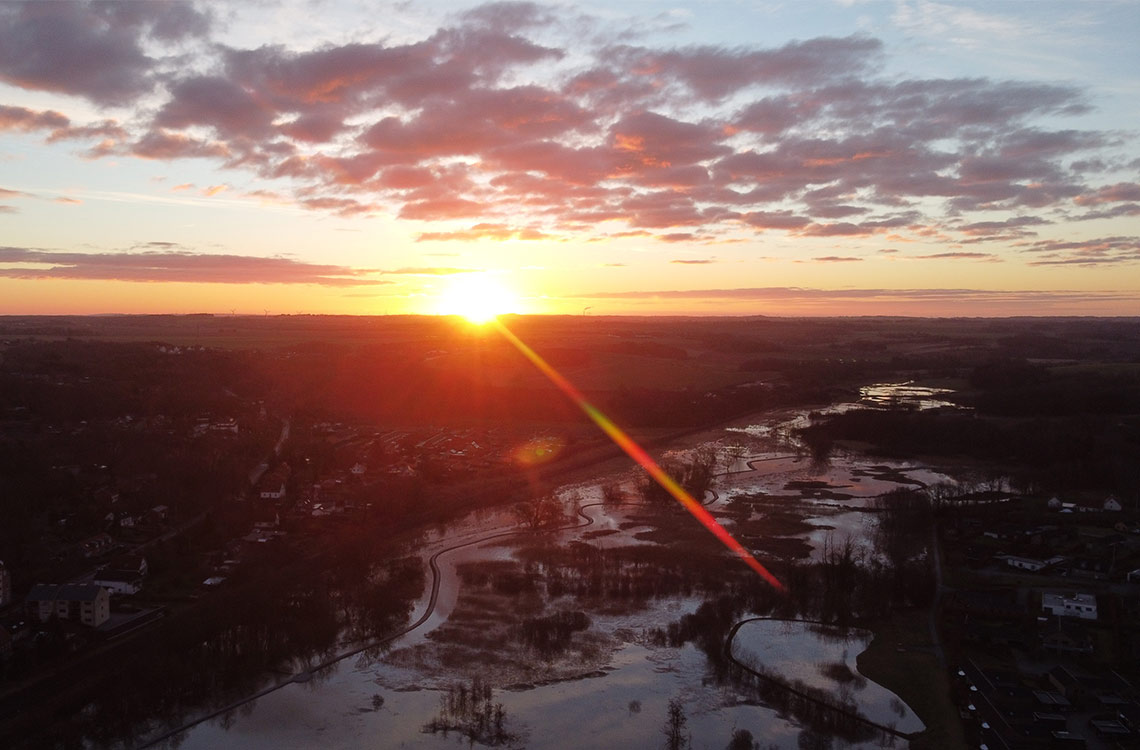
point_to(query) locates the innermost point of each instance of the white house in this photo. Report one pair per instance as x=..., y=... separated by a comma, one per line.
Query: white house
x=119, y=581
x=1112, y=504
x=1070, y=605
x=1023, y=563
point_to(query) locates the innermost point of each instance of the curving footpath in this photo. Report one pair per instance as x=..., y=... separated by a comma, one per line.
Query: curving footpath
x=436, y=582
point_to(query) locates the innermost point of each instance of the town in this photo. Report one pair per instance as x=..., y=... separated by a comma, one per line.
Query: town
x=218, y=510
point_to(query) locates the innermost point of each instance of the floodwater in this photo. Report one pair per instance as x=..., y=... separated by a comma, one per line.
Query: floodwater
x=822, y=657
x=907, y=395
x=385, y=703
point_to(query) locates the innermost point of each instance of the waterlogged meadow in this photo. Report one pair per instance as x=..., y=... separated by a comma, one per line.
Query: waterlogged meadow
x=582, y=629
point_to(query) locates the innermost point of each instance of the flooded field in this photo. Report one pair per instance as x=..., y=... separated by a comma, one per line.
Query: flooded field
x=905, y=395
x=581, y=636
x=822, y=657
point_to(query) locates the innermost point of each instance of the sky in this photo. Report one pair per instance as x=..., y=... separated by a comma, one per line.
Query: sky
x=741, y=157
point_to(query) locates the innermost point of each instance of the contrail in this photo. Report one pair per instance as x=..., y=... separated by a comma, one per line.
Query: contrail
x=638, y=454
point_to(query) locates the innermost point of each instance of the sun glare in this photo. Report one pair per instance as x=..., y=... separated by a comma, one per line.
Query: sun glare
x=477, y=297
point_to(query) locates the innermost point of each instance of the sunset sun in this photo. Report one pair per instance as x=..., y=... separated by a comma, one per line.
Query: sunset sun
x=477, y=298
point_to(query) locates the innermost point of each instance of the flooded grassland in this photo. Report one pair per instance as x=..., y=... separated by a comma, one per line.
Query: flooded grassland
x=580, y=634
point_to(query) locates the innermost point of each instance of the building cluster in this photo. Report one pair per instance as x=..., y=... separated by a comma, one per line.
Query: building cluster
x=1045, y=616
x=1059, y=707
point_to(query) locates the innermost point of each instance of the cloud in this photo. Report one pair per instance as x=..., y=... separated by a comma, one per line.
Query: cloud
x=713, y=73
x=701, y=262
x=1101, y=251
x=498, y=232
x=175, y=266
x=837, y=259
x=216, y=102
x=22, y=118
x=93, y=50
x=1118, y=193
x=430, y=271
x=509, y=116
x=160, y=144
x=956, y=256
x=1028, y=298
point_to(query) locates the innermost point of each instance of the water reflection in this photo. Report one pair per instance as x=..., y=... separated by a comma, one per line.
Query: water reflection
x=573, y=629
x=823, y=657
x=905, y=396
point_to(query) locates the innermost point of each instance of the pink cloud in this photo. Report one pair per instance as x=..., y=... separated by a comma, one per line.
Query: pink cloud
x=1118, y=193
x=1100, y=251
x=956, y=256
x=94, y=50
x=177, y=266
x=681, y=144
x=160, y=144
x=216, y=102
x=713, y=73
x=22, y=118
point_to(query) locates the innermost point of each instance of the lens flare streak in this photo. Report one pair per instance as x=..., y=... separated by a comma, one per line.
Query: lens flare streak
x=638, y=454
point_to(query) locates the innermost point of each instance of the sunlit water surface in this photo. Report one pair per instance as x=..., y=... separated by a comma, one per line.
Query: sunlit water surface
x=624, y=704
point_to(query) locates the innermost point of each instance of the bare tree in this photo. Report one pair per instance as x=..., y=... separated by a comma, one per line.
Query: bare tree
x=613, y=493
x=543, y=510
x=675, y=736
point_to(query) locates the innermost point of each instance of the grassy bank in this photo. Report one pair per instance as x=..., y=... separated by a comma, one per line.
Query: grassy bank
x=901, y=659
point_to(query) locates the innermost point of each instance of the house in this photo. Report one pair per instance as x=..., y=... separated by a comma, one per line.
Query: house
x=119, y=581
x=1024, y=563
x=96, y=545
x=272, y=483
x=123, y=575
x=5, y=586
x=1087, y=567
x=1112, y=504
x=130, y=563
x=86, y=603
x=1070, y=605
x=1054, y=503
